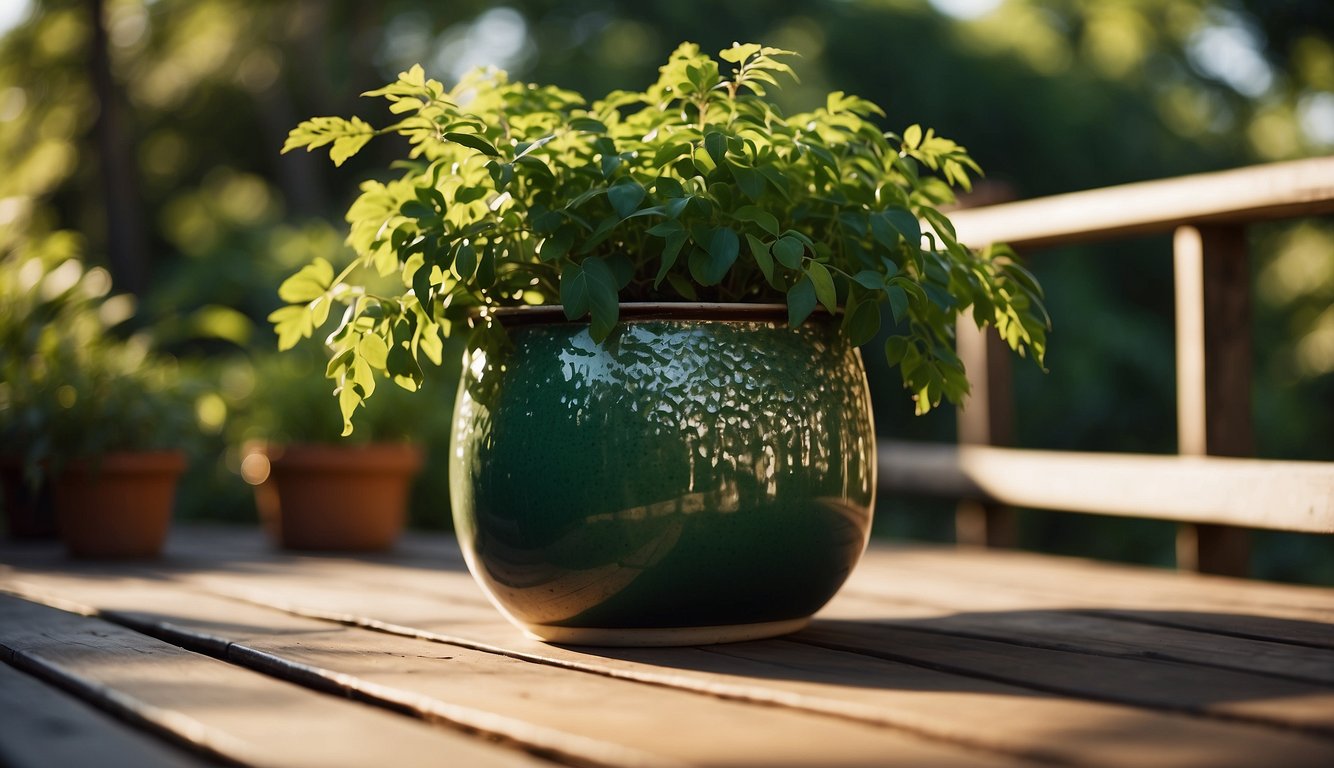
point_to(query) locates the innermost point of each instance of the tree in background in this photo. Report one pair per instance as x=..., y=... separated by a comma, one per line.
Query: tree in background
x=152, y=127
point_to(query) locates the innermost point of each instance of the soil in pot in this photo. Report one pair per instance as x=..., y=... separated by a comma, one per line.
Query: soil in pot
x=117, y=505
x=347, y=498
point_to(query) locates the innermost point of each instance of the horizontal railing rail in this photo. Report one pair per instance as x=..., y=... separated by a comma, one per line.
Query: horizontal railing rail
x=1254, y=493
x=1241, y=196
x=1210, y=487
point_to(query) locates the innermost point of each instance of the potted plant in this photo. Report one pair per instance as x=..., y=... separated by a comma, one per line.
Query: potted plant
x=662, y=433
x=313, y=489
x=101, y=421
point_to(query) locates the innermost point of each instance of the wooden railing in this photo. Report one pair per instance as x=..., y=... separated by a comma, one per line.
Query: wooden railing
x=1213, y=493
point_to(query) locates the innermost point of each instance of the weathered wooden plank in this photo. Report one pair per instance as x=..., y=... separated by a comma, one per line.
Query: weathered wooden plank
x=1256, y=193
x=1282, y=495
x=1209, y=604
x=998, y=613
x=42, y=726
x=445, y=606
x=216, y=708
x=969, y=711
x=1134, y=682
x=1014, y=624
x=621, y=722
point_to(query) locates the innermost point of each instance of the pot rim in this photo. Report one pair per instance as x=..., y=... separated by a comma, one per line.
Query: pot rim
x=635, y=311
x=170, y=460
x=375, y=457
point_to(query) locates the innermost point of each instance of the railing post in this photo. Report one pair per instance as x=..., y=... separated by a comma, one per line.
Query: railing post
x=1213, y=327
x=986, y=418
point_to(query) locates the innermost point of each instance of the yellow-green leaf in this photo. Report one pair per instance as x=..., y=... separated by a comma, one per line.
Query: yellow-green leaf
x=308, y=284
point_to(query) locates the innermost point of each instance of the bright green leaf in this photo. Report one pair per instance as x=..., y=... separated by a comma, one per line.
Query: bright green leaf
x=309, y=283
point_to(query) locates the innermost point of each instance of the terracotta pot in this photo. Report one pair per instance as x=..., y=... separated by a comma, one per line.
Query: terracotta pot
x=333, y=497
x=117, y=505
x=28, y=510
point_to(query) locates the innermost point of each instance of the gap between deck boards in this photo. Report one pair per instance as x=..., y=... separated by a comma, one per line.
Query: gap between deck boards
x=749, y=695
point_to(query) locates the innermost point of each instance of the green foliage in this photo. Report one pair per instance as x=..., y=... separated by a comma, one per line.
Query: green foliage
x=289, y=405
x=518, y=193
x=69, y=387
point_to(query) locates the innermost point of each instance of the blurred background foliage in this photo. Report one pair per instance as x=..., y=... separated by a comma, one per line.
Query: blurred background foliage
x=151, y=128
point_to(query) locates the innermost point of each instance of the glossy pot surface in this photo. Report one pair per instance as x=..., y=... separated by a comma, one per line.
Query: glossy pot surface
x=686, y=481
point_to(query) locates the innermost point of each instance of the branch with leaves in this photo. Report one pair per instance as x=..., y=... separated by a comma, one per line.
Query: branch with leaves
x=697, y=189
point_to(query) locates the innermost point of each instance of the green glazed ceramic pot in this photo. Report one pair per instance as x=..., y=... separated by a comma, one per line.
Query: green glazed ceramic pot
x=704, y=475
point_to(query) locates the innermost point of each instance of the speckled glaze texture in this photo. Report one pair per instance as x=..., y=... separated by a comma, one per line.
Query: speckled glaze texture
x=685, y=473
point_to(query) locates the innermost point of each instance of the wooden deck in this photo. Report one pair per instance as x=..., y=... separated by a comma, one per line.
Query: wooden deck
x=228, y=652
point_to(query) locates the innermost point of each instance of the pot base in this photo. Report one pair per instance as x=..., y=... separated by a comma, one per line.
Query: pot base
x=666, y=636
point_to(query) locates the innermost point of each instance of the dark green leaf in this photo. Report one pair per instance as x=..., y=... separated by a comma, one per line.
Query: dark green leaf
x=670, y=251
x=538, y=166
x=625, y=197
x=824, y=284
x=669, y=153
x=905, y=223
x=665, y=228
x=557, y=245
x=763, y=218
x=760, y=250
x=715, y=143
x=788, y=250
x=486, y=268
x=473, y=141
x=573, y=291
x=895, y=349
x=465, y=261
x=469, y=194
x=870, y=279
x=862, y=321
x=421, y=284
x=898, y=302
x=750, y=181
x=710, y=264
x=673, y=207
x=587, y=124
x=800, y=302
x=603, y=303
x=683, y=287
x=544, y=220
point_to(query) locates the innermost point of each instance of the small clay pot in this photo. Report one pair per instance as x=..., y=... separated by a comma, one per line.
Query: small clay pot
x=346, y=498
x=117, y=505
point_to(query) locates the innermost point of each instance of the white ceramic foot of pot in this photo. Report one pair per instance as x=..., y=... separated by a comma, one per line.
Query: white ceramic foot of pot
x=729, y=633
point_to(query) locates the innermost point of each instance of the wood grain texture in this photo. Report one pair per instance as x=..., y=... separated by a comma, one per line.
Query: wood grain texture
x=907, y=689
x=42, y=726
x=1280, y=495
x=929, y=655
x=1257, y=193
x=216, y=708
x=580, y=718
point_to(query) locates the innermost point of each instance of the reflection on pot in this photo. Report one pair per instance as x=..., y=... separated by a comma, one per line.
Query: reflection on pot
x=682, y=474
